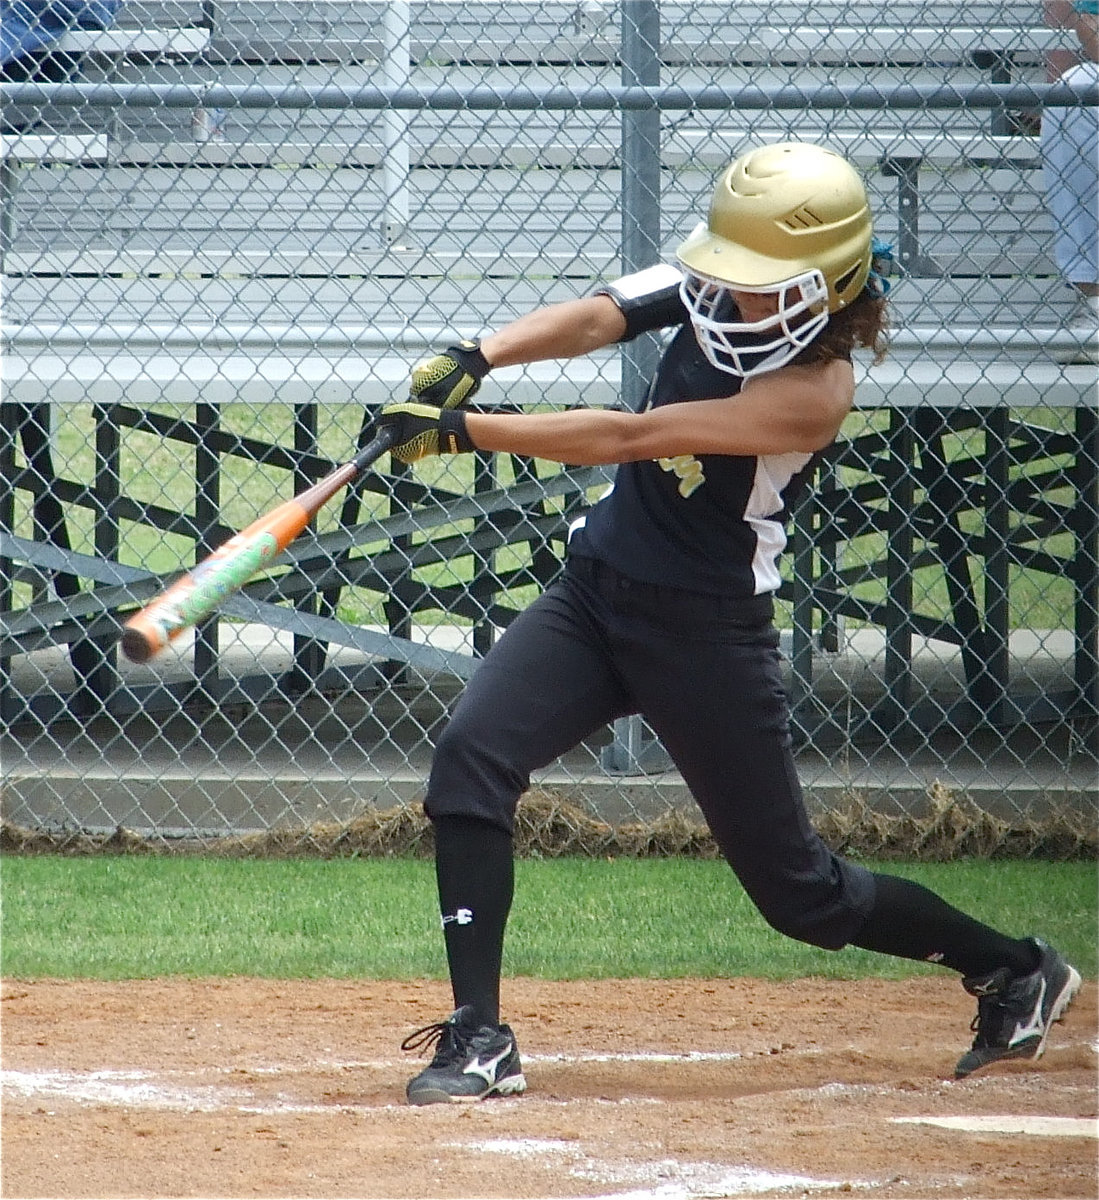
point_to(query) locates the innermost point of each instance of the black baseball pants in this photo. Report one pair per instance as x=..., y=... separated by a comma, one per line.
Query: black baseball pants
x=705, y=672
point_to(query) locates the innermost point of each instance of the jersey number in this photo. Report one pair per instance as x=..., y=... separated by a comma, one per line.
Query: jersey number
x=688, y=470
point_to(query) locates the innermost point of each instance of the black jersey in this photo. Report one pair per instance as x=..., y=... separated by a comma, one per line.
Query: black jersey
x=709, y=522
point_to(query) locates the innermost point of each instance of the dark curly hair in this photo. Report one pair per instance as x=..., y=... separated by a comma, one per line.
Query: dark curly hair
x=863, y=324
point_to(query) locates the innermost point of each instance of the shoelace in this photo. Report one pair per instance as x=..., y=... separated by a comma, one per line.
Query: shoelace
x=989, y=1019
x=991, y=994
x=444, y=1036
x=429, y=1035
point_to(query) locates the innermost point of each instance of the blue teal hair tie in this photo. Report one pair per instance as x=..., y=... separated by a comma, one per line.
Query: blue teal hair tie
x=1087, y=6
x=881, y=265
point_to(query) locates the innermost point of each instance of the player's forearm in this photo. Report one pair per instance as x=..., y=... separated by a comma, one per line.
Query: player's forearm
x=797, y=410
x=566, y=330
x=580, y=437
x=587, y=436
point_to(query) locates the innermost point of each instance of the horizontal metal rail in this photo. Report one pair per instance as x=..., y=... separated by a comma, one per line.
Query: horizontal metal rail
x=484, y=99
x=48, y=337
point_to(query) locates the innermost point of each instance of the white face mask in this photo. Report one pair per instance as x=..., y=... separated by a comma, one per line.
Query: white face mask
x=763, y=345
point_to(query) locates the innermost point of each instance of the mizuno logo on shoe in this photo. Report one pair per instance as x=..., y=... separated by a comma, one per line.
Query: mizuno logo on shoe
x=1035, y=1026
x=486, y=1070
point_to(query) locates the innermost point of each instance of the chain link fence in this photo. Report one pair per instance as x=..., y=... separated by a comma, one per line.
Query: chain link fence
x=229, y=228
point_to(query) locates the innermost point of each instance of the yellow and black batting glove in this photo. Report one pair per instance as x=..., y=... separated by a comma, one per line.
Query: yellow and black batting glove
x=421, y=430
x=450, y=378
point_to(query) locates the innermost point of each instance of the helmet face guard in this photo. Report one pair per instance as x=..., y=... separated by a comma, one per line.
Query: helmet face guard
x=747, y=348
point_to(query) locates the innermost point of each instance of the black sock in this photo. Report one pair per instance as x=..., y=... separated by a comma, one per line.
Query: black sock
x=475, y=871
x=910, y=921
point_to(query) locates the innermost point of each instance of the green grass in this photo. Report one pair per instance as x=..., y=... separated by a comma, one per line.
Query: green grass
x=121, y=918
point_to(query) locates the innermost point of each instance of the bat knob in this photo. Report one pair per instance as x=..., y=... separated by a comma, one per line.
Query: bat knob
x=136, y=646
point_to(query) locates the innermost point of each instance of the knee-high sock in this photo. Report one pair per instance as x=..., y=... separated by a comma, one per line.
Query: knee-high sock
x=475, y=871
x=910, y=921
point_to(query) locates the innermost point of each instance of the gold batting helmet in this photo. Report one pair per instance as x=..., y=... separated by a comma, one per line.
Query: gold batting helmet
x=789, y=219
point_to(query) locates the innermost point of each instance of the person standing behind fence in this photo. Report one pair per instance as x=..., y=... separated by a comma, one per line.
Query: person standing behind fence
x=1070, y=164
x=665, y=606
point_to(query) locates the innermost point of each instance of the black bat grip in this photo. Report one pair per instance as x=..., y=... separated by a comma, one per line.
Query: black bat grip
x=374, y=449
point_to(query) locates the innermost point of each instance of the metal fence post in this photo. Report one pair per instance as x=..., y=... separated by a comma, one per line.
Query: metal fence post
x=396, y=69
x=1085, y=522
x=632, y=752
x=9, y=432
x=7, y=207
x=640, y=179
x=207, y=502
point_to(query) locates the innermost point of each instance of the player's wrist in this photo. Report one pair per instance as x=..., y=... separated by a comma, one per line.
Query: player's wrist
x=470, y=356
x=454, y=436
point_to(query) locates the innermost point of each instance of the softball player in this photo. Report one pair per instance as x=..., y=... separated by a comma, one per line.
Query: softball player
x=665, y=604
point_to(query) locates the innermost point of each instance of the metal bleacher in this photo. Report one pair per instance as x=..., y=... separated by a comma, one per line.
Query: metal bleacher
x=309, y=206
x=206, y=258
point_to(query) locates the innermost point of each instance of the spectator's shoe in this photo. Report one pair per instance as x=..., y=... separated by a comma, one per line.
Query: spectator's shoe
x=472, y=1061
x=1014, y=1014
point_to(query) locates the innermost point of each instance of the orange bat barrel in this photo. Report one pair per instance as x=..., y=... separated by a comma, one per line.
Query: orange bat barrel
x=201, y=590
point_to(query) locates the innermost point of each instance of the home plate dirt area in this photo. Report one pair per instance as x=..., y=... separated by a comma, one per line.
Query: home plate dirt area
x=637, y=1088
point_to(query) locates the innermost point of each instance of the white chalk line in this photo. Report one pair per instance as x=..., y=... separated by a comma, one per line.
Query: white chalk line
x=132, y=1089
x=131, y=1086
x=666, y=1179
x=560, y=1058
x=140, y=1089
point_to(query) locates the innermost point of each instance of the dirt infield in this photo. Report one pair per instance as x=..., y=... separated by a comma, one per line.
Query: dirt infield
x=648, y=1089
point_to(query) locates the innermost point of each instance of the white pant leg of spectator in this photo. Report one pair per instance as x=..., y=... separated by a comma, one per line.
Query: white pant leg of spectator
x=1070, y=156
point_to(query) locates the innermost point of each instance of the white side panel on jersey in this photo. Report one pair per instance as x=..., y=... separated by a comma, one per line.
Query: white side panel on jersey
x=773, y=473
